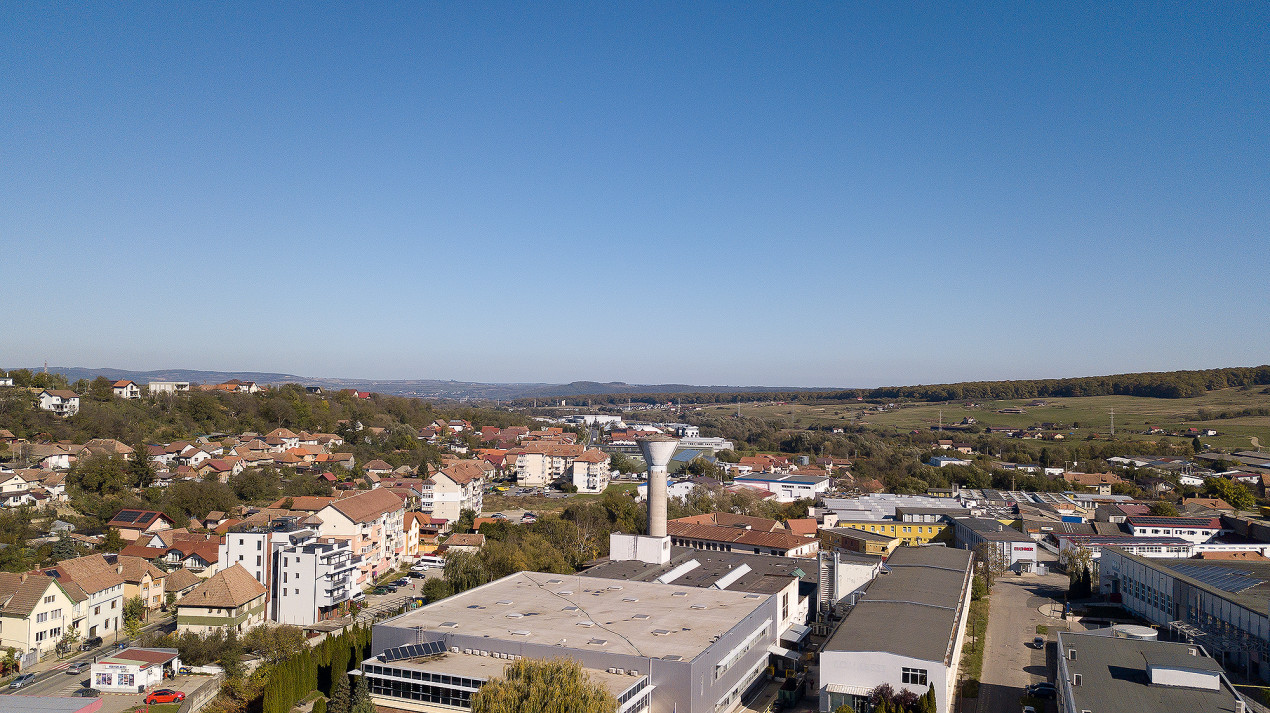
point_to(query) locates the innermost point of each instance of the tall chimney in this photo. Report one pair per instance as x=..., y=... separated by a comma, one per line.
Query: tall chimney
x=657, y=451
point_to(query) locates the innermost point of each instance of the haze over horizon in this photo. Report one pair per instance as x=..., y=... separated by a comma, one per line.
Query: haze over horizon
x=809, y=195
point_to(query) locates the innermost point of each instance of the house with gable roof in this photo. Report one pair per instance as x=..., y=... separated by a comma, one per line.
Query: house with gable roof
x=126, y=389
x=35, y=612
x=229, y=599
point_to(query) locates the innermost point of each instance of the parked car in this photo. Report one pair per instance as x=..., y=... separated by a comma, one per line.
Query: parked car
x=77, y=668
x=1038, y=642
x=86, y=693
x=379, y=590
x=1041, y=690
x=403, y=582
x=22, y=680
x=164, y=695
x=416, y=573
x=90, y=643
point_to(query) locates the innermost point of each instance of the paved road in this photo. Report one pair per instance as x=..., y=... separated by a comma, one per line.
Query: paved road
x=1010, y=662
x=51, y=678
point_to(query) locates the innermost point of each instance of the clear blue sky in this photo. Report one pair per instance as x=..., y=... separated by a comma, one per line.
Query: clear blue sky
x=783, y=194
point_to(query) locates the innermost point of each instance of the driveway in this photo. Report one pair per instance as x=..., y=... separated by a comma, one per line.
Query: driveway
x=59, y=683
x=1010, y=662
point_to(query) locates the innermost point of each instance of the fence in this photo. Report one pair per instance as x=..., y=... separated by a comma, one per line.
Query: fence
x=200, y=696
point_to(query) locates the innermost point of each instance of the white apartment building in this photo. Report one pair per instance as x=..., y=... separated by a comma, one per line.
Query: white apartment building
x=372, y=523
x=540, y=464
x=590, y=471
x=311, y=580
x=455, y=489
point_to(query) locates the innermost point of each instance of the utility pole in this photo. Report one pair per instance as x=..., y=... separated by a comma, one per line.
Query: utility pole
x=1113, y=423
x=941, y=420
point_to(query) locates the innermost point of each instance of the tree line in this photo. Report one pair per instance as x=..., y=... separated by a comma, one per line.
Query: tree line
x=1165, y=385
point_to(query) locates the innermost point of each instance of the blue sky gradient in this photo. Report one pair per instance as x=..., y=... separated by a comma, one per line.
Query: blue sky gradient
x=829, y=194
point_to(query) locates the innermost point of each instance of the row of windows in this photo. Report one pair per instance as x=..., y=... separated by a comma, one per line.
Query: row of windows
x=421, y=692
x=50, y=634
x=416, y=675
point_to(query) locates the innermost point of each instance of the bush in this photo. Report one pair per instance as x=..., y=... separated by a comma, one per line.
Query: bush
x=978, y=588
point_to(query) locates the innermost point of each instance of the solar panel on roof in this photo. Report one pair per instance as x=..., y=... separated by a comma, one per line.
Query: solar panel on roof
x=412, y=651
x=1223, y=578
x=127, y=516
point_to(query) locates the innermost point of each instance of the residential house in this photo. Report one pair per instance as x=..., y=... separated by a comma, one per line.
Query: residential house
x=63, y=402
x=229, y=599
x=101, y=586
x=110, y=448
x=142, y=579
x=180, y=582
x=372, y=523
x=470, y=542
x=125, y=389
x=15, y=490
x=132, y=524
x=35, y=612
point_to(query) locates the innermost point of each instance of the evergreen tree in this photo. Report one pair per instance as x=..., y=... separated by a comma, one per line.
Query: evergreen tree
x=361, y=697
x=341, y=696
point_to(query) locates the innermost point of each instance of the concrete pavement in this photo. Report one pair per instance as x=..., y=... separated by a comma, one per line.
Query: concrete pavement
x=1010, y=663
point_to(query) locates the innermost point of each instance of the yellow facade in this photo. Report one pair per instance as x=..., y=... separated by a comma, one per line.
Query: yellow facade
x=910, y=533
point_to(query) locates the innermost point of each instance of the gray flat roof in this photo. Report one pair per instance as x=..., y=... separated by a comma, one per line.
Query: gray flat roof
x=862, y=534
x=636, y=618
x=768, y=574
x=1114, y=676
x=912, y=611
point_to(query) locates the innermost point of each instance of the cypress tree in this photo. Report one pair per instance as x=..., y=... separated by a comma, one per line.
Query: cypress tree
x=361, y=697
x=341, y=696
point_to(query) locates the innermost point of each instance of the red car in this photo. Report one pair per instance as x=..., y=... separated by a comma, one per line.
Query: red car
x=164, y=695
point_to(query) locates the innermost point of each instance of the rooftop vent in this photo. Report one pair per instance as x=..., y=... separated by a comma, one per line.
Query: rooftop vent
x=504, y=602
x=678, y=594
x=697, y=606
x=587, y=624
x=513, y=615
x=598, y=642
x=565, y=591
x=630, y=599
x=520, y=632
x=672, y=657
x=450, y=624
x=640, y=616
x=555, y=581
x=661, y=632
x=570, y=608
x=615, y=588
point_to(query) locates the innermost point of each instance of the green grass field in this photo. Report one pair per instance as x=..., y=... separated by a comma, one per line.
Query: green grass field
x=1092, y=413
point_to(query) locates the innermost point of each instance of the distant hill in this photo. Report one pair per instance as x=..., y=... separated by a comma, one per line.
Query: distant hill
x=420, y=388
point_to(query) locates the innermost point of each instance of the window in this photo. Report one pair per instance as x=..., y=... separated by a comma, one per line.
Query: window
x=49, y=599
x=56, y=613
x=260, y=544
x=914, y=676
x=257, y=560
x=41, y=617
